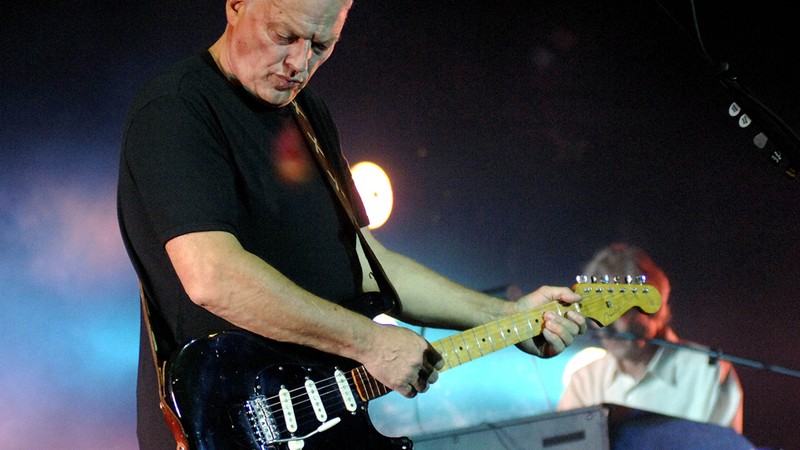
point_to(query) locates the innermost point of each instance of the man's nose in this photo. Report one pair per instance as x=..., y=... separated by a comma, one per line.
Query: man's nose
x=298, y=56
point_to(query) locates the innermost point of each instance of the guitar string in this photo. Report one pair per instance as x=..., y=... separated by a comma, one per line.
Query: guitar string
x=588, y=302
x=303, y=406
x=326, y=390
x=480, y=344
x=332, y=388
x=322, y=384
x=302, y=392
x=457, y=350
x=306, y=414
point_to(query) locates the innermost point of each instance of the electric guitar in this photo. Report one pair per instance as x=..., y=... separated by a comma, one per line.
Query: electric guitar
x=237, y=390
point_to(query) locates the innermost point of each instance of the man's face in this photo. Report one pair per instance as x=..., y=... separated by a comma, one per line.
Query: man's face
x=275, y=46
x=634, y=324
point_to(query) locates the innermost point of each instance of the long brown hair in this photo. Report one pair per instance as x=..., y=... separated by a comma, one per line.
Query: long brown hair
x=621, y=260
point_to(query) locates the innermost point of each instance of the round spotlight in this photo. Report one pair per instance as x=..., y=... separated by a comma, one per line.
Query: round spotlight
x=376, y=192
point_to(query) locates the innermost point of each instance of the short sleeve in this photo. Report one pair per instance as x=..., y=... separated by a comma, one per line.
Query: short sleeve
x=180, y=169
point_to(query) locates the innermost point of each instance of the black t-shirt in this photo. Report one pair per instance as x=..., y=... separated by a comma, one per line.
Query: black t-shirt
x=201, y=154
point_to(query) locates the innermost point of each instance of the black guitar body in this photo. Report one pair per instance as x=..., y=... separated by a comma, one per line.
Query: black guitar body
x=237, y=390
x=214, y=385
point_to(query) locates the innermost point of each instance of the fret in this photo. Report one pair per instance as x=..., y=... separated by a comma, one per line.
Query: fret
x=467, y=347
x=535, y=330
x=601, y=304
x=480, y=341
x=502, y=334
x=375, y=386
x=489, y=337
x=516, y=331
x=442, y=352
x=454, y=351
x=366, y=385
x=361, y=386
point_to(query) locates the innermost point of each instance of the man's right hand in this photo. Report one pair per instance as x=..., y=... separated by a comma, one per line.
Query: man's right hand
x=403, y=360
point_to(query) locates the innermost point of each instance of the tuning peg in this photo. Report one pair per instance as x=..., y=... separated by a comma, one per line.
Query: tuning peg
x=605, y=279
x=594, y=279
x=641, y=279
x=628, y=279
x=616, y=280
x=582, y=279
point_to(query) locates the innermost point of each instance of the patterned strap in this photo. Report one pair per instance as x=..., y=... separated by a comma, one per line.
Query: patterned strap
x=385, y=286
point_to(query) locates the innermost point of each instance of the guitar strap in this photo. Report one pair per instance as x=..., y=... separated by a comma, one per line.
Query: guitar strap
x=170, y=417
x=391, y=301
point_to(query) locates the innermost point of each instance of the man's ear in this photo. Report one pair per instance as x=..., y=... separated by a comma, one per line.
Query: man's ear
x=233, y=8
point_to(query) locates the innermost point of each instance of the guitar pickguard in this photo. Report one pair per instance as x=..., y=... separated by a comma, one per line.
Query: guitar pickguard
x=237, y=390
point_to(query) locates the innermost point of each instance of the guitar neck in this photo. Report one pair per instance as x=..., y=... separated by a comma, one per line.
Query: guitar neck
x=602, y=303
x=482, y=340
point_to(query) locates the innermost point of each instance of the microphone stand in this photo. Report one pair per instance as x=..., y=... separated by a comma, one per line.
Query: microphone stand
x=785, y=153
x=778, y=139
x=713, y=355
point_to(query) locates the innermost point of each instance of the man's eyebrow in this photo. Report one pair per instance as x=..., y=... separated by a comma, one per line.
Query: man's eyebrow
x=330, y=41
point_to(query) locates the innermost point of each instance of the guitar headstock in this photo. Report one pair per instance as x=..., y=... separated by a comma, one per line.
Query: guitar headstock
x=605, y=298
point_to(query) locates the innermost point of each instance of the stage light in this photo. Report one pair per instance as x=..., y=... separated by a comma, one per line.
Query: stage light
x=376, y=192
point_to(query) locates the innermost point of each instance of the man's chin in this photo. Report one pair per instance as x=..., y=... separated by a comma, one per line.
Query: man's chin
x=276, y=97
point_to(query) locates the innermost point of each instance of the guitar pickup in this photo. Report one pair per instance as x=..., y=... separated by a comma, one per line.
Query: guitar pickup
x=316, y=401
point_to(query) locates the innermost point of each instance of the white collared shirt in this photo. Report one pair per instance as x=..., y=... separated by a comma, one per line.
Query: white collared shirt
x=677, y=382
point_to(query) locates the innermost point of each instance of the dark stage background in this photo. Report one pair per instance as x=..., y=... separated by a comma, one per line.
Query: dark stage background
x=520, y=137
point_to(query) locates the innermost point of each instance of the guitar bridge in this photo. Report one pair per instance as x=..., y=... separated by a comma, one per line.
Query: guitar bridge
x=261, y=421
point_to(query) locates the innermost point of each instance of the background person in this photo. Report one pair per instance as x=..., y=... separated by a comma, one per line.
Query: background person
x=634, y=373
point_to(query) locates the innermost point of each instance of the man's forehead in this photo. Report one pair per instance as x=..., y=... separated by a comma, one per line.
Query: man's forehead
x=322, y=19
x=316, y=10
